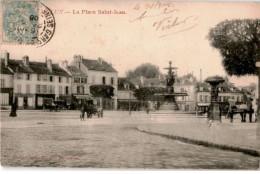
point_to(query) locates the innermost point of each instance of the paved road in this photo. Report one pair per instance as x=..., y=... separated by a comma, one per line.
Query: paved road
x=62, y=140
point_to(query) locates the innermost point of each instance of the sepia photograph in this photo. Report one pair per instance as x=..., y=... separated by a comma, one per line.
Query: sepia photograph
x=133, y=85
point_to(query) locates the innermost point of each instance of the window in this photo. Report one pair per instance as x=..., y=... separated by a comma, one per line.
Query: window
x=182, y=90
x=182, y=97
x=78, y=89
x=28, y=77
x=83, y=89
x=27, y=88
x=83, y=80
x=38, y=89
x=39, y=77
x=44, y=78
x=51, y=78
x=52, y=89
x=201, y=88
x=104, y=80
x=206, y=98
x=68, y=79
x=60, y=79
x=76, y=80
x=112, y=80
x=66, y=90
x=200, y=98
x=2, y=83
x=44, y=88
x=60, y=89
x=19, y=88
x=19, y=76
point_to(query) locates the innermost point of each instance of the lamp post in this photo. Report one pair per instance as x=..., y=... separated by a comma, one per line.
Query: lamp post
x=258, y=89
x=129, y=102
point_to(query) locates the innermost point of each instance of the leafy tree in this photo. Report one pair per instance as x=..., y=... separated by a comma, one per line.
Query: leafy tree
x=105, y=91
x=239, y=44
x=147, y=93
x=147, y=70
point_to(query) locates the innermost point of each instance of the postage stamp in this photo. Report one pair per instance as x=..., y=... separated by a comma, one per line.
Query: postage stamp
x=26, y=22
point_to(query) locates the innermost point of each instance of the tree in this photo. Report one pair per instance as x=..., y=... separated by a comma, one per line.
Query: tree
x=147, y=93
x=147, y=70
x=239, y=44
x=105, y=91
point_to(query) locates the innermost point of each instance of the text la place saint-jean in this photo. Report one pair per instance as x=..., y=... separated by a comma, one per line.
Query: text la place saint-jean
x=99, y=12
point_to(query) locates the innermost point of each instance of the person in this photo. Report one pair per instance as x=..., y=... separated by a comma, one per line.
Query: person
x=250, y=108
x=82, y=111
x=14, y=109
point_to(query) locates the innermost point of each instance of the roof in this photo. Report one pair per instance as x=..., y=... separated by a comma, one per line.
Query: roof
x=98, y=65
x=4, y=69
x=36, y=68
x=76, y=71
x=225, y=88
x=154, y=82
x=121, y=84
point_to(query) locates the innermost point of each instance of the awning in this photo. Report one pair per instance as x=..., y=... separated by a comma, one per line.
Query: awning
x=203, y=104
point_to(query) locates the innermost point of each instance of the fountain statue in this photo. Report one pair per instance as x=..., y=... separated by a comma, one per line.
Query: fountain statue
x=168, y=97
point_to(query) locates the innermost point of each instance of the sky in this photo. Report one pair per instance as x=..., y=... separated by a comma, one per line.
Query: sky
x=144, y=32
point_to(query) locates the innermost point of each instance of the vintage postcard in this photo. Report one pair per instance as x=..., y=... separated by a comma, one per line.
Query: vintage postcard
x=130, y=84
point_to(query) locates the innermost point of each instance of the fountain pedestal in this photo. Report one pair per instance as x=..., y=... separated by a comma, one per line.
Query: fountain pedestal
x=214, y=107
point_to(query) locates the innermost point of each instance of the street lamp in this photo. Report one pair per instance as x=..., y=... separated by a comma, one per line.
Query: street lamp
x=129, y=102
x=257, y=64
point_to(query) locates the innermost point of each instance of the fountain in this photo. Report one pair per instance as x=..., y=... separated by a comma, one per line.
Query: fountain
x=214, y=107
x=168, y=97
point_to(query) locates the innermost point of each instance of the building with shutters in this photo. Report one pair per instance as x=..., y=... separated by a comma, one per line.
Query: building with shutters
x=36, y=83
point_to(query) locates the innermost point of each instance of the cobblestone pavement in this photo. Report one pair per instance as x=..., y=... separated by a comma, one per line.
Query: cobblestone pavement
x=60, y=139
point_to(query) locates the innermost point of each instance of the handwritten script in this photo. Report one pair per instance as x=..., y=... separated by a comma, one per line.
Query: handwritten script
x=165, y=17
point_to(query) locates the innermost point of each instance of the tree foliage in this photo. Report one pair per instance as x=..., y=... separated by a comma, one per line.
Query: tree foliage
x=105, y=91
x=147, y=93
x=239, y=44
x=146, y=70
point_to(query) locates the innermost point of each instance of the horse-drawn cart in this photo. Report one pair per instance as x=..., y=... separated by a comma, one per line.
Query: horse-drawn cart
x=243, y=110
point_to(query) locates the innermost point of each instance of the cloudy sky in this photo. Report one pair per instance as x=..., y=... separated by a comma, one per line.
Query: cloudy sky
x=144, y=32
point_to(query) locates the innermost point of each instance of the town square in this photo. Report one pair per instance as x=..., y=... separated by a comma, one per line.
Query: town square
x=153, y=85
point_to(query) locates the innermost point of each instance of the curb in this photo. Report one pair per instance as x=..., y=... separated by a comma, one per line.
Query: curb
x=251, y=152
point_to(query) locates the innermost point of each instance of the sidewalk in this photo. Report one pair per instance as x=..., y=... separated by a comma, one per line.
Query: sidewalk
x=236, y=136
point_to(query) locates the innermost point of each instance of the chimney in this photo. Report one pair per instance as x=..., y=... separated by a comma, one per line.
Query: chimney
x=65, y=64
x=26, y=61
x=100, y=60
x=6, y=58
x=49, y=64
x=200, y=75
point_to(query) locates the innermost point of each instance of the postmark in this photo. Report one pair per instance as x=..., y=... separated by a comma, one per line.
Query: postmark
x=26, y=22
x=46, y=25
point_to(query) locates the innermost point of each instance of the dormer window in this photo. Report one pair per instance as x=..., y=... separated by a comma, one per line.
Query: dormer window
x=200, y=88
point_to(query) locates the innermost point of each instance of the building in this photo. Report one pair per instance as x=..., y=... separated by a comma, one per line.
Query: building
x=125, y=95
x=6, y=83
x=79, y=82
x=99, y=72
x=226, y=93
x=36, y=83
x=186, y=84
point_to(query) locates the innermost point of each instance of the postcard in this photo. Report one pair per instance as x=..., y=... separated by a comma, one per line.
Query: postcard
x=130, y=84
